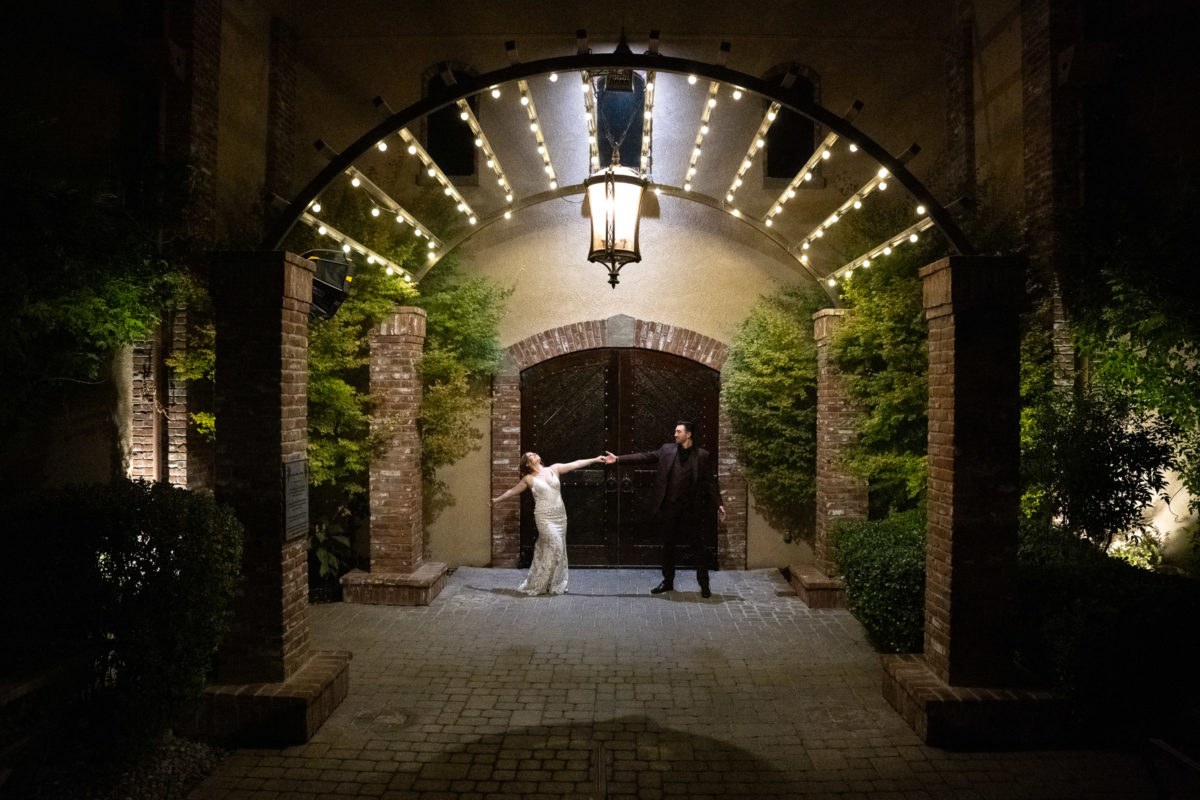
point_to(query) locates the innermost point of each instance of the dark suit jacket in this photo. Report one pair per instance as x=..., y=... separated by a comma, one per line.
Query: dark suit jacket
x=705, y=494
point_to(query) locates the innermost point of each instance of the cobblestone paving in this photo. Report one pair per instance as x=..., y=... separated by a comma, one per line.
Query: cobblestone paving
x=609, y=692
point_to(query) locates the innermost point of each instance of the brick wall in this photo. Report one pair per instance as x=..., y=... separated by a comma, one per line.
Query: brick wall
x=143, y=460
x=841, y=497
x=960, y=95
x=396, y=510
x=158, y=447
x=506, y=421
x=260, y=303
x=1052, y=120
x=281, y=109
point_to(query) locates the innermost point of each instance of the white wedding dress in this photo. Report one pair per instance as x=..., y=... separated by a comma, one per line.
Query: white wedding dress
x=548, y=571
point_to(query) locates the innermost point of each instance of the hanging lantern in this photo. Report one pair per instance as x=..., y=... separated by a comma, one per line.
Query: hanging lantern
x=615, y=200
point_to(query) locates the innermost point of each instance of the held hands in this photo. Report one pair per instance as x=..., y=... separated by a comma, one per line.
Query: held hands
x=607, y=458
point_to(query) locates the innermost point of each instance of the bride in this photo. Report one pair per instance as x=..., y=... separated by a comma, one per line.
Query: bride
x=548, y=571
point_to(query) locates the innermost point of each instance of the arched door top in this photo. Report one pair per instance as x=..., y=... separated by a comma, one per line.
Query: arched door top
x=618, y=331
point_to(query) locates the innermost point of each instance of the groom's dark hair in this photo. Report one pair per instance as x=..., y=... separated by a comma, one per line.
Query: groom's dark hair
x=687, y=426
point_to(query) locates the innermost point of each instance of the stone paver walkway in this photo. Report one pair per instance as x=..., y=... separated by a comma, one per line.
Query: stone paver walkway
x=609, y=692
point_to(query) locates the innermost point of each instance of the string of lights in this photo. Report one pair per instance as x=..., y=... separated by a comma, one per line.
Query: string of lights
x=433, y=171
x=705, y=115
x=536, y=128
x=589, y=115
x=482, y=143
x=756, y=144
x=350, y=245
x=648, y=123
x=879, y=181
x=805, y=174
x=384, y=203
x=910, y=235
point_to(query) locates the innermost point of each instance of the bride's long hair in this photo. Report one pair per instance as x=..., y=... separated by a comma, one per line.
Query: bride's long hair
x=526, y=465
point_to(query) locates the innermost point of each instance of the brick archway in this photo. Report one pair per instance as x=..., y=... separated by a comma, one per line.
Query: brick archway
x=618, y=331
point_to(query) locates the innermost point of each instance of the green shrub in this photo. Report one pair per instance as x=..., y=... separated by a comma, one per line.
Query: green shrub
x=883, y=564
x=769, y=387
x=131, y=585
x=1100, y=629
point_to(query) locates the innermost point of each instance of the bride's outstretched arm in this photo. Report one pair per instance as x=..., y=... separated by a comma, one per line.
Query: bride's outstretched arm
x=517, y=488
x=570, y=465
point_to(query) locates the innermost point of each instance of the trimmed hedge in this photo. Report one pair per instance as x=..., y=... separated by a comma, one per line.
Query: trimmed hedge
x=883, y=564
x=130, y=586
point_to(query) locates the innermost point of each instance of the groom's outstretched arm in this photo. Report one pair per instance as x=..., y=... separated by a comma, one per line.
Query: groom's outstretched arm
x=648, y=457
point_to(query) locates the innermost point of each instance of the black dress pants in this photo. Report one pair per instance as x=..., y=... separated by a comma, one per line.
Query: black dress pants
x=680, y=526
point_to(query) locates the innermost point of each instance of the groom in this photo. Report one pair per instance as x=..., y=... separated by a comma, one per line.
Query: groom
x=684, y=487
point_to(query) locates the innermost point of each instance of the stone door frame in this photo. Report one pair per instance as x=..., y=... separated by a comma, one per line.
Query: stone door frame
x=617, y=331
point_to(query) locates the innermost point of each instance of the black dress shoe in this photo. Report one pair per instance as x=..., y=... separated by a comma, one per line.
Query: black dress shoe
x=705, y=591
x=665, y=586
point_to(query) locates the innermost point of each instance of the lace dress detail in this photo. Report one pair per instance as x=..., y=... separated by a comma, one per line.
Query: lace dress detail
x=548, y=571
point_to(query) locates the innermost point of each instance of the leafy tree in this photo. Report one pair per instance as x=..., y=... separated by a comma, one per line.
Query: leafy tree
x=769, y=388
x=88, y=279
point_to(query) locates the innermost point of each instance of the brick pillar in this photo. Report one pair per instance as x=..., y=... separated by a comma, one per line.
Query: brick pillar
x=274, y=688
x=177, y=403
x=399, y=574
x=143, y=456
x=959, y=692
x=506, y=460
x=841, y=497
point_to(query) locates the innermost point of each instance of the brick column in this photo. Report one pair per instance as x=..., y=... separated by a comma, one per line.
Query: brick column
x=274, y=688
x=158, y=449
x=399, y=574
x=143, y=456
x=506, y=459
x=960, y=690
x=841, y=497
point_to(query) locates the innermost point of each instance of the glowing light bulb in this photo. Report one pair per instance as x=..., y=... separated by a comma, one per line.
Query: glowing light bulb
x=771, y=116
x=432, y=245
x=508, y=215
x=374, y=212
x=853, y=147
x=803, y=259
x=832, y=282
x=412, y=149
x=316, y=208
x=866, y=262
x=345, y=248
x=472, y=220
x=768, y=223
x=712, y=102
x=390, y=271
x=463, y=116
x=858, y=203
x=370, y=259
x=491, y=162
x=920, y=210
x=647, y=114
x=882, y=185
x=355, y=182
x=417, y=233
x=887, y=251
x=322, y=230
x=692, y=79
x=554, y=77
x=687, y=187
x=777, y=210
x=737, y=94
x=808, y=176
x=549, y=170
x=820, y=232
x=759, y=143
x=461, y=207
x=479, y=142
x=541, y=150
x=446, y=191
x=508, y=197
x=804, y=246
x=729, y=198
x=913, y=238
x=704, y=130
x=399, y=218
x=833, y=218
x=496, y=92
x=650, y=86
x=533, y=126
x=382, y=146
x=825, y=155
x=433, y=256
x=431, y=172
x=737, y=182
x=696, y=152
x=736, y=213
x=883, y=173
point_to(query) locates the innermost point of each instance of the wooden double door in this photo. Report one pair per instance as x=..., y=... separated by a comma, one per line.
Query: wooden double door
x=623, y=401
